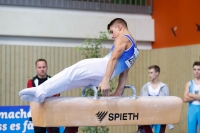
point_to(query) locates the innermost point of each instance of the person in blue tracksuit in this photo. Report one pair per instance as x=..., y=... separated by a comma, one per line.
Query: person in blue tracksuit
x=192, y=96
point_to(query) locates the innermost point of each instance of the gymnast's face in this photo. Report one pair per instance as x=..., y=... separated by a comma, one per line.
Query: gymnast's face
x=153, y=74
x=196, y=71
x=115, y=30
x=41, y=69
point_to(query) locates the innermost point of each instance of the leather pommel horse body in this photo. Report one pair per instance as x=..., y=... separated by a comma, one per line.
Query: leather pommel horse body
x=105, y=111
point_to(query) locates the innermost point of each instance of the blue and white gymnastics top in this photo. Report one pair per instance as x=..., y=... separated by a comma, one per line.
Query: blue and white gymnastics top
x=127, y=59
x=194, y=89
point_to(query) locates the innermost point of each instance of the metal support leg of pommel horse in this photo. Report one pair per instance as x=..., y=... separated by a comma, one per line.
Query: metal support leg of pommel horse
x=107, y=111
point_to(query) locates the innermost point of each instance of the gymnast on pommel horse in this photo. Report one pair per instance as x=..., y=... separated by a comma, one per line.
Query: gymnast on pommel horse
x=95, y=71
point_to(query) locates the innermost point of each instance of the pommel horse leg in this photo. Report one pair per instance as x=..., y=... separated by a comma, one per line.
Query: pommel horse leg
x=162, y=128
x=107, y=111
x=71, y=130
x=147, y=129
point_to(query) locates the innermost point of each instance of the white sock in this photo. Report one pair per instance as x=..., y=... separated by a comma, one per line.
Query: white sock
x=31, y=98
x=28, y=91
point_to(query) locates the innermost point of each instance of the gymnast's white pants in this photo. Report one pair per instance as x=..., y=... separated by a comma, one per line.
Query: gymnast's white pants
x=84, y=73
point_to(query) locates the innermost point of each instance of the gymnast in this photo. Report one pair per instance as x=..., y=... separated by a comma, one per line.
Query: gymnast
x=94, y=71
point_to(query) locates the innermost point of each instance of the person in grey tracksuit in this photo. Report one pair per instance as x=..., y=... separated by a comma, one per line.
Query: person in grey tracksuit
x=155, y=88
x=164, y=91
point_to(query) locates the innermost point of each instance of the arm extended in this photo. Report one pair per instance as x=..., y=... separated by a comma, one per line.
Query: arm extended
x=121, y=83
x=120, y=46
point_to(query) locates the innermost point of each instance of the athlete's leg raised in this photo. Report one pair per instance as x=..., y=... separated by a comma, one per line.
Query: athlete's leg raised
x=91, y=69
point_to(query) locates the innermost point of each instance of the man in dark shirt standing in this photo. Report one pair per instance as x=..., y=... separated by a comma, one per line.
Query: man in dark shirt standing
x=41, y=69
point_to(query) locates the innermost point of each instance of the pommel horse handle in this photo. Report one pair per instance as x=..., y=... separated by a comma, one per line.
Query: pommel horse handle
x=96, y=92
x=133, y=91
x=93, y=88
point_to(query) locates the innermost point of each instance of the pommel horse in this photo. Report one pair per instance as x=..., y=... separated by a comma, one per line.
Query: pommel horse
x=107, y=111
